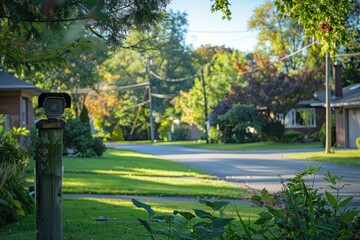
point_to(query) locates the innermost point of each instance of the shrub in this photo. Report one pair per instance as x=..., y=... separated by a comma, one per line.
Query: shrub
x=214, y=135
x=292, y=136
x=77, y=136
x=322, y=133
x=117, y=134
x=15, y=202
x=301, y=212
x=180, y=132
x=273, y=130
x=164, y=130
x=358, y=142
x=98, y=146
x=315, y=136
x=240, y=124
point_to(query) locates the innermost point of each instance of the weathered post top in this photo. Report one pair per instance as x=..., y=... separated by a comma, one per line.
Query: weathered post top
x=50, y=124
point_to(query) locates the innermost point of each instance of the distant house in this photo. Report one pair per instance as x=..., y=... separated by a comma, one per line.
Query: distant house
x=307, y=117
x=345, y=103
x=16, y=101
x=347, y=112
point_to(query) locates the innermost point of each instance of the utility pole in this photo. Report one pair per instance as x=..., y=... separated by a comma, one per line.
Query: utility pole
x=148, y=78
x=205, y=106
x=328, y=109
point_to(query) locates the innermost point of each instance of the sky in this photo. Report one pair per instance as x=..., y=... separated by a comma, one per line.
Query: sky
x=206, y=27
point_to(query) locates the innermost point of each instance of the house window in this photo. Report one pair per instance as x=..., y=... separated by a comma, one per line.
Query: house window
x=300, y=118
x=24, y=114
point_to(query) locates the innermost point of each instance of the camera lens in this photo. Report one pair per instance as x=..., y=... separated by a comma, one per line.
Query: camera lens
x=54, y=107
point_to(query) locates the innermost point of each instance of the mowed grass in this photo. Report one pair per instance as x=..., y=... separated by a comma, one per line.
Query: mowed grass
x=345, y=157
x=253, y=146
x=78, y=224
x=130, y=173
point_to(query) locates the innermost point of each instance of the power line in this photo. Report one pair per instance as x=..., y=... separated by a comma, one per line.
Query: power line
x=348, y=54
x=164, y=96
x=172, y=80
x=283, y=58
x=220, y=32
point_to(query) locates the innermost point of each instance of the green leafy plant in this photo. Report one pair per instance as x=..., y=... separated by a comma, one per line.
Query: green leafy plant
x=241, y=124
x=186, y=225
x=298, y=212
x=15, y=202
x=357, y=142
x=292, y=136
x=273, y=130
x=77, y=136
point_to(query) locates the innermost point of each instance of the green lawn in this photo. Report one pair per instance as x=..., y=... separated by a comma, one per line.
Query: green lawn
x=77, y=222
x=345, y=157
x=125, y=172
x=253, y=146
x=129, y=173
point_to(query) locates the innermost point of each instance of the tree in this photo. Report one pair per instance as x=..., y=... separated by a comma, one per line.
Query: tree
x=323, y=20
x=280, y=37
x=351, y=64
x=275, y=93
x=241, y=123
x=21, y=21
x=219, y=74
x=163, y=48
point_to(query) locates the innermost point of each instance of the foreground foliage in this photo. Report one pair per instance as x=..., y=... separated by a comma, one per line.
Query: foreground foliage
x=15, y=202
x=299, y=212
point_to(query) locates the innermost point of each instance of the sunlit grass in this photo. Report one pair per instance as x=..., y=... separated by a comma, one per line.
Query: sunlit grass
x=78, y=223
x=145, y=185
x=129, y=173
x=345, y=157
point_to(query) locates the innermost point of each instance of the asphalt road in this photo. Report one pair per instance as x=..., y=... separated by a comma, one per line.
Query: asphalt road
x=255, y=169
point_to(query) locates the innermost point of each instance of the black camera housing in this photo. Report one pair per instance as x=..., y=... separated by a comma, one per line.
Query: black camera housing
x=54, y=104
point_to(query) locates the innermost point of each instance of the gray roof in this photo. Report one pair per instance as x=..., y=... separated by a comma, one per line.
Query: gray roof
x=8, y=81
x=350, y=97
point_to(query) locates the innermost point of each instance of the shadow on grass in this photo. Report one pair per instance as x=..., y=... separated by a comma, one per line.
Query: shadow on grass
x=78, y=223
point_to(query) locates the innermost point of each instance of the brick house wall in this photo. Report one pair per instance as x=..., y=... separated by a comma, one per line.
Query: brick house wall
x=11, y=107
x=340, y=127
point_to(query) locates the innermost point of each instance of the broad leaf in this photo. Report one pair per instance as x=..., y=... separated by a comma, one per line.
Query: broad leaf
x=144, y=206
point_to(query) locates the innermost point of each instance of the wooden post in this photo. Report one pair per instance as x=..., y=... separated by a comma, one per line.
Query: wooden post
x=205, y=105
x=328, y=104
x=152, y=128
x=48, y=175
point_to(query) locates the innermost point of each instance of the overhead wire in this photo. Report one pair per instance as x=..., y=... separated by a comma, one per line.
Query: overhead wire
x=172, y=80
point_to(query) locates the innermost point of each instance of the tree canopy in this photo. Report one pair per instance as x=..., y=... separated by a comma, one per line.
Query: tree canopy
x=22, y=21
x=323, y=20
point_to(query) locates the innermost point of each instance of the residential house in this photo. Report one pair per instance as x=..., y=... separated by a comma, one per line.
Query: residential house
x=308, y=116
x=16, y=101
x=346, y=102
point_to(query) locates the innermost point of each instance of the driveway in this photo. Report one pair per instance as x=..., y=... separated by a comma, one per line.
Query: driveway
x=254, y=169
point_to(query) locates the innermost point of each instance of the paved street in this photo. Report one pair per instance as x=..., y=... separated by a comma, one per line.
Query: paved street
x=256, y=169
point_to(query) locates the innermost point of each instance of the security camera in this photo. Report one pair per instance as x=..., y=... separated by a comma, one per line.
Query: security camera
x=54, y=104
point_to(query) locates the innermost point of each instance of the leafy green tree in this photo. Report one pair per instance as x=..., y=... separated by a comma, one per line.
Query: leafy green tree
x=163, y=50
x=21, y=21
x=351, y=64
x=219, y=74
x=323, y=20
x=241, y=123
x=280, y=37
